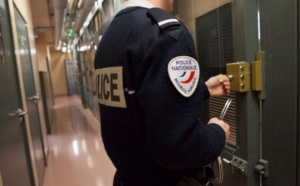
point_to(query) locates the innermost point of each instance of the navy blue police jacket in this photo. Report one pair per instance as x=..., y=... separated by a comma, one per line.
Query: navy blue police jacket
x=151, y=132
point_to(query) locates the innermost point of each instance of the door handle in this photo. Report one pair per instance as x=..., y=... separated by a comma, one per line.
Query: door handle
x=19, y=112
x=35, y=97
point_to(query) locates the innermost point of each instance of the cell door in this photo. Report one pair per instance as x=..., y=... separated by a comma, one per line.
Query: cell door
x=72, y=76
x=81, y=69
x=280, y=24
x=228, y=33
x=264, y=144
x=15, y=164
x=86, y=83
x=31, y=96
x=89, y=78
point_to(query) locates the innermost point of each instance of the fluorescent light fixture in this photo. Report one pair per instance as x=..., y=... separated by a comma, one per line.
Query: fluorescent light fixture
x=64, y=49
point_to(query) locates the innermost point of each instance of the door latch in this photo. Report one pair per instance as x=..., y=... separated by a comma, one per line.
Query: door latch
x=258, y=75
x=239, y=75
x=238, y=165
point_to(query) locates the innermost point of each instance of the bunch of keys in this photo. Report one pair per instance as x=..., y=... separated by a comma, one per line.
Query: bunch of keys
x=220, y=175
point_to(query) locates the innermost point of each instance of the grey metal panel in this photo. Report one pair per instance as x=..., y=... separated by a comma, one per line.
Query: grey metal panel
x=280, y=109
x=245, y=47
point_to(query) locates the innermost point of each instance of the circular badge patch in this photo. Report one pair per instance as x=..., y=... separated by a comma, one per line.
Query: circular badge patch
x=184, y=73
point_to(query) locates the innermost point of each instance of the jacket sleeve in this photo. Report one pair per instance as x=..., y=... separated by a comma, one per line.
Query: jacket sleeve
x=206, y=93
x=175, y=137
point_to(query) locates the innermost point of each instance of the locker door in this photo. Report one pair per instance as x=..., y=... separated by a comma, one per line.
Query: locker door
x=15, y=162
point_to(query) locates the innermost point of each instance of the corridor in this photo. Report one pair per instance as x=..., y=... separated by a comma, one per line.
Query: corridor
x=77, y=156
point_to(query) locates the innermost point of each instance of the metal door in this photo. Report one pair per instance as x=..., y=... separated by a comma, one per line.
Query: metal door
x=280, y=34
x=229, y=34
x=15, y=161
x=86, y=83
x=72, y=77
x=81, y=69
x=267, y=125
x=31, y=96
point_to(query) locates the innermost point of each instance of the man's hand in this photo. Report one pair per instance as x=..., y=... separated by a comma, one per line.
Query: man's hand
x=223, y=125
x=218, y=85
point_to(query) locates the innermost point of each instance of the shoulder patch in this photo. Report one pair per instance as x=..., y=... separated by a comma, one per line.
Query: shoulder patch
x=163, y=18
x=184, y=73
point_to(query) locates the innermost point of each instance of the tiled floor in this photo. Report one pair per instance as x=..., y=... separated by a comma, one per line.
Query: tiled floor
x=77, y=156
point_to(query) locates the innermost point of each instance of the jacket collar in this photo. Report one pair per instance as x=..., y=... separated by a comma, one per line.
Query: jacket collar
x=139, y=3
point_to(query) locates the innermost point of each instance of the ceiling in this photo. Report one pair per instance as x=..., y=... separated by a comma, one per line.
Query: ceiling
x=65, y=20
x=40, y=13
x=43, y=16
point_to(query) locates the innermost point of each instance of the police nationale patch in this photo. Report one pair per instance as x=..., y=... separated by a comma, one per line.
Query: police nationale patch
x=184, y=73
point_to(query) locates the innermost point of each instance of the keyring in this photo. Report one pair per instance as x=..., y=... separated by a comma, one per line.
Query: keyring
x=220, y=176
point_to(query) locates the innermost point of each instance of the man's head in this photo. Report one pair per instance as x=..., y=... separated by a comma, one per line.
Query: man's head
x=166, y=5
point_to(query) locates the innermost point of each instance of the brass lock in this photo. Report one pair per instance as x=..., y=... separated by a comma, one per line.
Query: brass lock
x=239, y=75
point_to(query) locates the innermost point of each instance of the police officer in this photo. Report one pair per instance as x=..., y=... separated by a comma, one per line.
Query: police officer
x=151, y=97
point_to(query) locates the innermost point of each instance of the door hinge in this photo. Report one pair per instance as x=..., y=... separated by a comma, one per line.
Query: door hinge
x=238, y=165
